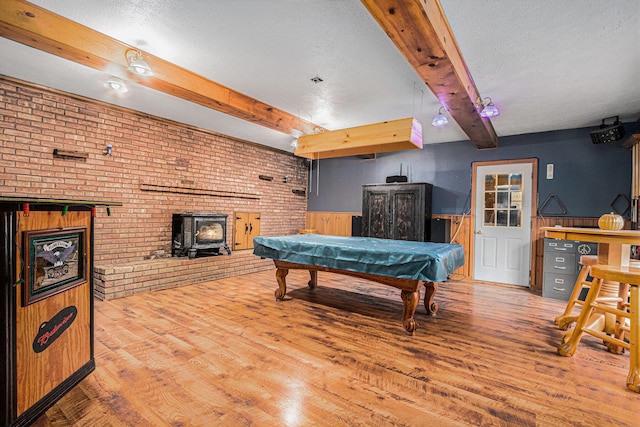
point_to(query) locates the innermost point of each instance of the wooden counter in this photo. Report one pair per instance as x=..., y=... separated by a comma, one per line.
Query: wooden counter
x=614, y=246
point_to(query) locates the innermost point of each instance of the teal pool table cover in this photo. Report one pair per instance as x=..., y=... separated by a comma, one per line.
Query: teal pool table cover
x=427, y=261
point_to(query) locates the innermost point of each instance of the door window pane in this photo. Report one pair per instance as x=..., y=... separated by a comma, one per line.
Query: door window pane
x=503, y=200
x=514, y=218
x=489, y=182
x=503, y=179
x=502, y=218
x=489, y=199
x=489, y=217
x=516, y=181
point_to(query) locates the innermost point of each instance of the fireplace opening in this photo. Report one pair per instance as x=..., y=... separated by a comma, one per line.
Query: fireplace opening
x=199, y=233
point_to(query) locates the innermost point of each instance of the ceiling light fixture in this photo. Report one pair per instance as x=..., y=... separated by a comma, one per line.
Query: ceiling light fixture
x=489, y=109
x=440, y=120
x=137, y=64
x=116, y=85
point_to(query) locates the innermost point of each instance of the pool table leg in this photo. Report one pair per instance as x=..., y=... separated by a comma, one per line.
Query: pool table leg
x=281, y=274
x=313, y=282
x=410, y=303
x=429, y=296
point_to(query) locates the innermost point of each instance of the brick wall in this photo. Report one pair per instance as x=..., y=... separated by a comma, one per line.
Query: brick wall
x=158, y=168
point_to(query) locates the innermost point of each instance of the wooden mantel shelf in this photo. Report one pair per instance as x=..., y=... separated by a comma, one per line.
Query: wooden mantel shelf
x=48, y=201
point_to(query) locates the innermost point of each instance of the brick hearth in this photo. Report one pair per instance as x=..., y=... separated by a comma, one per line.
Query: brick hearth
x=117, y=281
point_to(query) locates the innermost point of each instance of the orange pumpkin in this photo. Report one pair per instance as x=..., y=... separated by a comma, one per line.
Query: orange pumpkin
x=611, y=221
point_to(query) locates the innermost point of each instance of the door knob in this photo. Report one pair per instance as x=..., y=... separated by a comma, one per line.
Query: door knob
x=479, y=232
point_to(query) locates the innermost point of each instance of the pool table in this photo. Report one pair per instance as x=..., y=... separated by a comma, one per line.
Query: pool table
x=402, y=264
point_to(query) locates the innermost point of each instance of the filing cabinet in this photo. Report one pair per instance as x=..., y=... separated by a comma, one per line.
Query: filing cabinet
x=562, y=265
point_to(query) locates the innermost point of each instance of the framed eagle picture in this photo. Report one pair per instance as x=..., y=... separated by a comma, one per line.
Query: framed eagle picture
x=55, y=260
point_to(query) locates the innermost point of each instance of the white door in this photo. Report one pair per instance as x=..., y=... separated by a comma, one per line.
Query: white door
x=502, y=249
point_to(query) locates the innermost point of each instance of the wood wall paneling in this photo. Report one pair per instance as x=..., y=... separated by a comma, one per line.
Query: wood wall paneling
x=461, y=226
x=331, y=223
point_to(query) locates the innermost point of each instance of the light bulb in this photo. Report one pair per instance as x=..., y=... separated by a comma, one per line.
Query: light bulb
x=439, y=121
x=116, y=85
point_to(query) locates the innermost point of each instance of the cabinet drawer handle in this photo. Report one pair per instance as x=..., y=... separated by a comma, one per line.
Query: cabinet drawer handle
x=559, y=281
x=559, y=267
x=560, y=249
x=558, y=289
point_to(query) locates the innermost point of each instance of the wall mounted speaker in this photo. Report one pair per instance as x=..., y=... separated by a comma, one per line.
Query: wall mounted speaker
x=608, y=133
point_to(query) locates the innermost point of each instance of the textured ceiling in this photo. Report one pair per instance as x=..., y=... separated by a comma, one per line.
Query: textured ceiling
x=546, y=64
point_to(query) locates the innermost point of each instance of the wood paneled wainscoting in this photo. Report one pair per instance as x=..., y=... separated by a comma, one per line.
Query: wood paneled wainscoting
x=339, y=224
x=331, y=223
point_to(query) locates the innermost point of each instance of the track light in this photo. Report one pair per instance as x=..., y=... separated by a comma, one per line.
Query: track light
x=116, y=85
x=439, y=120
x=489, y=109
x=137, y=64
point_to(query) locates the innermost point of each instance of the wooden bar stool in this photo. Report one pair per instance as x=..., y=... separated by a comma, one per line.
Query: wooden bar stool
x=566, y=319
x=610, y=294
x=601, y=273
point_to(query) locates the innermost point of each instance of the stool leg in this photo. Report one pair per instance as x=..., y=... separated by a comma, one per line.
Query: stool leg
x=566, y=319
x=623, y=292
x=633, y=380
x=572, y=339
x=609, y=292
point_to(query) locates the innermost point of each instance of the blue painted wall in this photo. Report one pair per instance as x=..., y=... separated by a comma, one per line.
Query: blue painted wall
x=587, y=176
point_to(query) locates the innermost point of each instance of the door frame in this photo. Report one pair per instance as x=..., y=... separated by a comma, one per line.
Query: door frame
x=534, y=206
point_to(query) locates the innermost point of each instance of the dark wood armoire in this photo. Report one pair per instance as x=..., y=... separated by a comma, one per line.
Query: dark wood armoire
x=400, y=211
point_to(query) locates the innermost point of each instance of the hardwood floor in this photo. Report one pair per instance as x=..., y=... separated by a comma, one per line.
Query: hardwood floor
x=226, y=353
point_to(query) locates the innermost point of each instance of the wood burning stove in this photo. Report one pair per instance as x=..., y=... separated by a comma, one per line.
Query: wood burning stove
x=199, y=233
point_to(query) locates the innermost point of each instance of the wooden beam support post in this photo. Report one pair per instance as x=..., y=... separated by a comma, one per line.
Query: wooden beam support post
x=44, y=30
x=420, y=30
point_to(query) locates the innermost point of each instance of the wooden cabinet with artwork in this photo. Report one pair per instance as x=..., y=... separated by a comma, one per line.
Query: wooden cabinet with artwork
x=46, y=302
x=246, y=226
x=398, y=211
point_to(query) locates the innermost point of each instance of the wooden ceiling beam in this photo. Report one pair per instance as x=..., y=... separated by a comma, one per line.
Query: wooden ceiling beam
x=44, y=30
x=420, y=30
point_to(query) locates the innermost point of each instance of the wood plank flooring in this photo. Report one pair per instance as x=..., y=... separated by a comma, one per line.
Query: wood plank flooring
x=226, y=353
